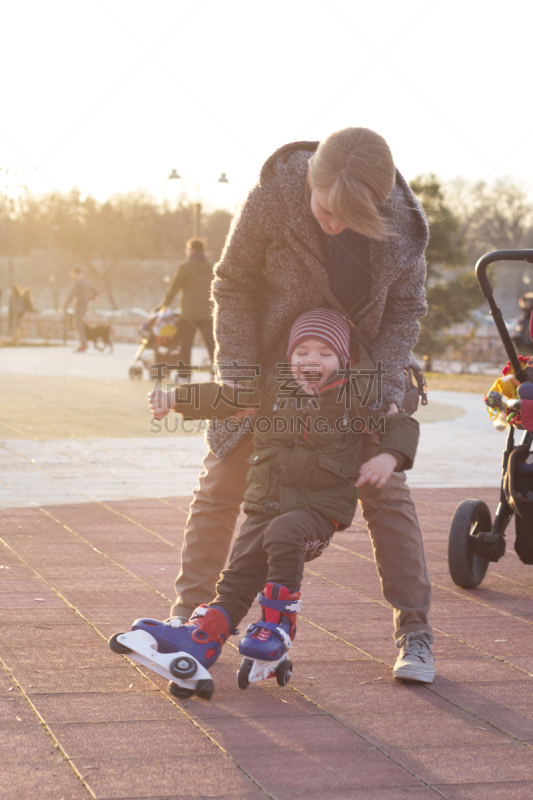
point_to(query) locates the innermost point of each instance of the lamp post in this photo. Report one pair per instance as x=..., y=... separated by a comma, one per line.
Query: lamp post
x=53, y=285
x=196, y=207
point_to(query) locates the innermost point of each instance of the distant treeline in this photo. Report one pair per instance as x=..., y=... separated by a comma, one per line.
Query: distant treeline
x=126, y=245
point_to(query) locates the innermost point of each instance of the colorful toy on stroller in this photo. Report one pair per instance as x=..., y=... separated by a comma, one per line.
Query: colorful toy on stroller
x=474, y=540
x=160, y=334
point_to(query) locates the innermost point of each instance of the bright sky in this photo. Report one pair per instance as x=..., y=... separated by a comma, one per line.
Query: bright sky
x=110, y=95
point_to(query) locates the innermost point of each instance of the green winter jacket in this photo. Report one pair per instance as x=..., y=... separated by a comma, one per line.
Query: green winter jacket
x=193, y=279
x=308, y=449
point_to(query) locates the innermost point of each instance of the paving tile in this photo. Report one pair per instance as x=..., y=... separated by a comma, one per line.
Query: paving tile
x=38, y=616
x=248, y=791
x=322, y=646
x=121, y=581
x=514, y=790
x=349, y=672
x=25, y=742
x=447, y=647
x=122, y=617
x=94, y=679
x=30, y=599
x=14, y=570
x=478, y=668
x=145, y=739
x=104, y=706
x=380, y=697
x=258, y=701
x=517, y=722
x=282, y=733
x=523, y=662
x=199, y=775
x=23, y=584
x=15, y=710
x=20, y=635
x=59, y=658
x=468, y=763
x=133, y=597
x=51, y=779
x=383, y=793
x=318, y=770
x=437, y=726
x=512, y=694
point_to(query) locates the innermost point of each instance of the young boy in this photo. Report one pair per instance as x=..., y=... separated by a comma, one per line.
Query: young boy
x=303, y=479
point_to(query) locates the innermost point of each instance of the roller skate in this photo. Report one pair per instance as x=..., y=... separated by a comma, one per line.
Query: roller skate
x=180, y=651
x=266, y=643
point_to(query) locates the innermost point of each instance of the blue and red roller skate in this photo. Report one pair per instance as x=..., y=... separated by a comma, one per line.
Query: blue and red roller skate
x=181, y=652
x=266, y=643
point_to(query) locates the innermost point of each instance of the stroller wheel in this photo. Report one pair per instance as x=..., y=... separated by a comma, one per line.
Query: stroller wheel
x=466, y=568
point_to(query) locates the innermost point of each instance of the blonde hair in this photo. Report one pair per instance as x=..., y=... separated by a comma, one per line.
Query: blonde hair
x=355, y=167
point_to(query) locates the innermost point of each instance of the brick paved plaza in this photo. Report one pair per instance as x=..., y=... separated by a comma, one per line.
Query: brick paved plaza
x=78, y=721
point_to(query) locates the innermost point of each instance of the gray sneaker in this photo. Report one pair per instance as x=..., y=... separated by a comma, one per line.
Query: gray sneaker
x=415, y=662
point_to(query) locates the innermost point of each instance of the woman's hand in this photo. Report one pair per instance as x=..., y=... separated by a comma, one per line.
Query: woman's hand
x=160, y=403
x=378, y=470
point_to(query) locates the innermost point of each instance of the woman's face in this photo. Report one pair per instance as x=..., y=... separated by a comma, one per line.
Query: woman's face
x=320, y=209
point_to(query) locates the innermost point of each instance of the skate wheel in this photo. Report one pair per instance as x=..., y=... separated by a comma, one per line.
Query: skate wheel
x=205, y=689
x=179, y=691
x=284, y=673
x=182, y=667
x=116, y=647
x=244, y=671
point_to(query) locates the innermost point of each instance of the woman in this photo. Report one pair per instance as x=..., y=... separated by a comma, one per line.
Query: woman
x=338, y=211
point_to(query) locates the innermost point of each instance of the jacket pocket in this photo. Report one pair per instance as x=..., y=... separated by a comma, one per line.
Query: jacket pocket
x=333, y=483
x=342, y=469
x=259, y=475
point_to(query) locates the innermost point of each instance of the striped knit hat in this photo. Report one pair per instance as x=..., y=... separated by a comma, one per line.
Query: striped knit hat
x=327, y=326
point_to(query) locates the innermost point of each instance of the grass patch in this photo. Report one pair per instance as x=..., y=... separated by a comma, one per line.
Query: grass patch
x=478, y=384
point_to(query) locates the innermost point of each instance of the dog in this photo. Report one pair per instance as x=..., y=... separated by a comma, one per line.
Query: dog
x=104, y=333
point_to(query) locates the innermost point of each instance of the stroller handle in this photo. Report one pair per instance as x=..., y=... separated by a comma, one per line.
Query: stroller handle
x=486, y=288
x=498, y=255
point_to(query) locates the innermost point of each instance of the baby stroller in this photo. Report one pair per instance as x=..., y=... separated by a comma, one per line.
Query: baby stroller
x=522, y=336
x=160, y=334
x=474, y=540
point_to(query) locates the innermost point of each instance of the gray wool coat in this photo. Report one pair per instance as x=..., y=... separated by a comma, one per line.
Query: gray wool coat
x=262, y=282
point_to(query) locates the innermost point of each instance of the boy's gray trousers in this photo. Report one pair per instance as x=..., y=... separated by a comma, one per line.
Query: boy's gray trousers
x=389, y=513
x=270, y=550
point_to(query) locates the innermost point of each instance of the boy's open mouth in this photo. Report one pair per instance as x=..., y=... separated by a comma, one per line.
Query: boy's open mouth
x=311, y=376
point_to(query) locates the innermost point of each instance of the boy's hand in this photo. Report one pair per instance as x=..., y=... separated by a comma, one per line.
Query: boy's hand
x=378, y=470
x=160, y=403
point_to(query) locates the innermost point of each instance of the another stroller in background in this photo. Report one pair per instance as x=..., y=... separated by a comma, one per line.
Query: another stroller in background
x=160, y=334
x=474, y=541
x=522, y=338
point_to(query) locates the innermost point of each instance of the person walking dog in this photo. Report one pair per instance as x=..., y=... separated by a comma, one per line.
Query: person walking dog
x=81, y=292
x=330, y=218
